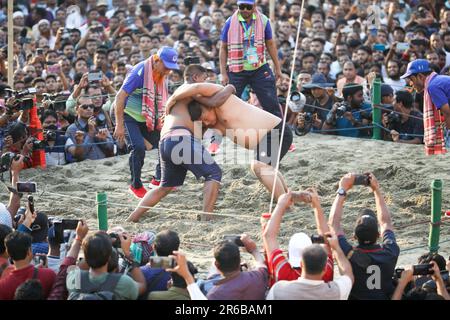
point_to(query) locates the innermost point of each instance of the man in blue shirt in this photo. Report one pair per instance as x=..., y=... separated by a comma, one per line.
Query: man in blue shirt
x=373, y=264
x=352, y=114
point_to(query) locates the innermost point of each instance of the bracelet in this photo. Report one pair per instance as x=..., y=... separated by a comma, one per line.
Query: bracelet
x=77, y=238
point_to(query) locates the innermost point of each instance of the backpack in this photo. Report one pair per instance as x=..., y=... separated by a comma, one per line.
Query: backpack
x=89, y=291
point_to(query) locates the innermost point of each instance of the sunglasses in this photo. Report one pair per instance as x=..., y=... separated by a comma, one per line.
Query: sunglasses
x=243, y=7
x=87, y=106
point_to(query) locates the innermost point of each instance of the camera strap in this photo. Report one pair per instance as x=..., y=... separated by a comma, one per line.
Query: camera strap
x=155, y=281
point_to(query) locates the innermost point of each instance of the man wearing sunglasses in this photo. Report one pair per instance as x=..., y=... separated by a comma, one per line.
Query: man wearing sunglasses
x=97, y=142
x=245, y=37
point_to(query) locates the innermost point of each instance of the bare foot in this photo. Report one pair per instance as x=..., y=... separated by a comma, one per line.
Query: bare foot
x=133, y=217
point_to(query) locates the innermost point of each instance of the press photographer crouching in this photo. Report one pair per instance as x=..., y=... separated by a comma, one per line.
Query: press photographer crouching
x=405, y=124
x=351, y=114
x=59, y=149
x=96, y=141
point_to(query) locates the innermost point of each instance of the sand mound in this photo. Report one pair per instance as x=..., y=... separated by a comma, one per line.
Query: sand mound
x=404, y=172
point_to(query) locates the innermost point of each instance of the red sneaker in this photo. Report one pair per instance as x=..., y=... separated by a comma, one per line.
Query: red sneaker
x=154, y=183
x=138, y=192
x=214, y=148
x=292, y=148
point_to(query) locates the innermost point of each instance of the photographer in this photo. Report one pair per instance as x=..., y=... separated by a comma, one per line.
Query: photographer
x=96, y=142
x=59, y=149
x=408, y=276
x=7, y=213
x=373, y=264
x=351, y=114
x=405, y=124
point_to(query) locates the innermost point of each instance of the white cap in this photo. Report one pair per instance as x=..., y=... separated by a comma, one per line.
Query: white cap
x=43, y=21
x=18, y=14
x=297, y=243
x=5, y=216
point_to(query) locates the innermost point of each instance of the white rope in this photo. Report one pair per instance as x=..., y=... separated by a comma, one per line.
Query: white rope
x=285, y=111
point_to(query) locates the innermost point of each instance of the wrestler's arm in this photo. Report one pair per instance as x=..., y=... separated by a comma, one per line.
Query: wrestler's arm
x=191, y=90
x=218, y=99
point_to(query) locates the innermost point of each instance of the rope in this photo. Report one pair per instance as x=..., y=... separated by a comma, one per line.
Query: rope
x=401, y=134
x=275, y=177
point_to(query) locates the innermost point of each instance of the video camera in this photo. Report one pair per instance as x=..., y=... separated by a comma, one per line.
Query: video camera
x=60, y=225
x=21, y=101
x=38, y=144
x=56, y=101
x=342, y=108
x=297, y=101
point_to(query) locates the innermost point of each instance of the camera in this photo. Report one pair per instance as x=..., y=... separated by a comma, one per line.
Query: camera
x=342, y=108
x=38, y=144
x=316, y=238
x=115, y=240
x=423, y=269
x=100, y=120
x=50, y=135
x=236, y=239
x=297, y=101
x=37, y=259
x=56, y=101
x=302, y=130
x=60, y=225
x=191, y=60
x=422, y=13
x=21, y=102
x=7, y=158
x=362, y=180
x=162, y=262
x=398, y=273
x=394, y=119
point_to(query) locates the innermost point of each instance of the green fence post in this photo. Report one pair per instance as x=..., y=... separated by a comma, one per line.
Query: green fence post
x=102, y=211
x=376, y=112
x=436, y=207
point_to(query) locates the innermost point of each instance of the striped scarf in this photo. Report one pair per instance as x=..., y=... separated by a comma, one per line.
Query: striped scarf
x=152, y=115
x=433, y=123
x=236, y=39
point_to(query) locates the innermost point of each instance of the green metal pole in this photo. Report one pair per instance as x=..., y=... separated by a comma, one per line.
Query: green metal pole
x=102, y=211
x=436, y=206
x=376, y=112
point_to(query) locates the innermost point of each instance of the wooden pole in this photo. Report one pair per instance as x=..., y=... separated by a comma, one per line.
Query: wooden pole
x=272, y=14
x=10, y=44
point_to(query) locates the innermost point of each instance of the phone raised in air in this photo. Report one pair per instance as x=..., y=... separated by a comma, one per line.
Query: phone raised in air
x=26, y=187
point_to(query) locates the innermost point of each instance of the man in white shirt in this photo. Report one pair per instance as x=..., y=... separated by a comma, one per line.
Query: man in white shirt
x=310, y=285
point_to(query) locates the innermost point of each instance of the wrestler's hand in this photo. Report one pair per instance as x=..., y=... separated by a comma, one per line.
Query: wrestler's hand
x=170, y=103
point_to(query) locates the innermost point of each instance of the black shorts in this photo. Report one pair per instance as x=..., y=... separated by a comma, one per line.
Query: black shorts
x=268, y=148
x=178, y=154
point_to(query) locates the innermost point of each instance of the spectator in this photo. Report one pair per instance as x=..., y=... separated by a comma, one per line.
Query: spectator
x=281, y=268
x=237, y=284
x=4, y=231
x=350, y=76
x=373, y=264
x=97, y=250
x=30, y=290
x=18, y=246
x=97, y=142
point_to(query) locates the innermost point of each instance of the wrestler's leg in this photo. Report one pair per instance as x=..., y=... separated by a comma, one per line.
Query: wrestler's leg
x=150, y=199
x=210, y=194
x=265, y=173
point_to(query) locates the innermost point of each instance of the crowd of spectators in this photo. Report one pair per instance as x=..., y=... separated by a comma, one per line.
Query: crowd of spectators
x=77, y=54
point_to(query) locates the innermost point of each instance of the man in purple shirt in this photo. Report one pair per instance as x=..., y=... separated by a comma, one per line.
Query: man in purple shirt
x=237, y=284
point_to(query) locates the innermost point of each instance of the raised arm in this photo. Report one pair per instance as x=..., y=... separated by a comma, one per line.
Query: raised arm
x=191, y=90
x=383, y=214
x=218, y=99
x=337, y=208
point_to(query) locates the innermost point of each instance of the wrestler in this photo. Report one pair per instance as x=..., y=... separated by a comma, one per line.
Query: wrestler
x=181, y=151
x=246, y=125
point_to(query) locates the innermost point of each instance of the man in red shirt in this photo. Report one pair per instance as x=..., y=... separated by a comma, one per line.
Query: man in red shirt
x=18, y=247
x=280, y=267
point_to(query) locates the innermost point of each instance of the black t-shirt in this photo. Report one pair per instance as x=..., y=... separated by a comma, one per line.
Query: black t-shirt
x=321, y=113
x=413, y=126
x=373, y=267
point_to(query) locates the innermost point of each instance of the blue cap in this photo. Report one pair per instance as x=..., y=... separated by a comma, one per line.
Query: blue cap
x=246, y=2
x=416, y=66
x=169, y=57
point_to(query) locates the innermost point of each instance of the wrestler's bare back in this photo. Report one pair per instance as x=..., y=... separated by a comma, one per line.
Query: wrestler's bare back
x=179, y=116
x=244, y=123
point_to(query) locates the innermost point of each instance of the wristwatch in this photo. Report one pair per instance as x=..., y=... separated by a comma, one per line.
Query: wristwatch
x=341, y=192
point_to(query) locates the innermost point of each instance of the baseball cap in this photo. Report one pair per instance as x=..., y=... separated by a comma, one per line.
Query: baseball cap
x=416, y=66
x=18, y=14
x=169, y=57
x=297, y=243
x=366, y=229
x=246, y=2
x=102, y=3
x=386, y=90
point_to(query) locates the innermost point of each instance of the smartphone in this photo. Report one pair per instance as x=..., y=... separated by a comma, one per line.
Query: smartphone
x=379, y=47
x=162, y=262
x=362, y=180
x=315, y=238
x=56, y=68
x=37, y=259
x=402, y=46
x=95, y=76
x=423, y=269
x=235, y=239
x=26, y=187
x=69, y=224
